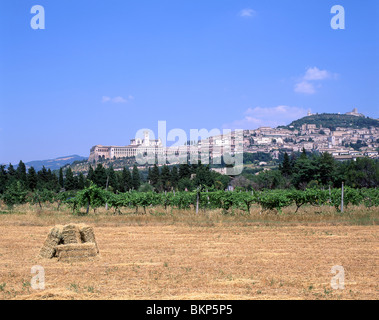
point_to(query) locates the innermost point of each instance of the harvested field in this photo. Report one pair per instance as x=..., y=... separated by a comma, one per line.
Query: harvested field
x=193, y=261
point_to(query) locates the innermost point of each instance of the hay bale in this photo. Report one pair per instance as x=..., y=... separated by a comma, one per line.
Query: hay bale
x=76, y=252
x=71, y=234
x=53, y=239
x=88, y=235
x=70, y=243
x=57, y=231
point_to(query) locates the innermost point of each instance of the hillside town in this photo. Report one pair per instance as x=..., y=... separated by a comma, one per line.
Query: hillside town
x=343, y=143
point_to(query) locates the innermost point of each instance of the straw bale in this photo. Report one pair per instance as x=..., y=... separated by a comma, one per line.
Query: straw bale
x=87, y=235
x=53, y=239
x=70, y=243
x=57, y=231
x=76, y=252
x=71, y=234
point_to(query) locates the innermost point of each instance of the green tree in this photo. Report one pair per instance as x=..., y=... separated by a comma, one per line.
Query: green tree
x=61, y=178
x=303, y=154
x=32, y=179
x=53, y=183
x=186, y=183
x=363, y=173
x=81, y=181
x=126, y=180
x=100, y=176
x=270, y=179
x=21, y=172
x=145, y=187
x=203, y=176
x=326, y=168
x=70, y=183
x=11, y=173
x=221, y=181
x=155, y=176
x=3, y=179
x=166, y=178
x=174, y=177
x=15, y=194
x=286, y=167
x=112, y=179
x=184, y=171
x=303, y=171
x=90, y=175
x=136, y=178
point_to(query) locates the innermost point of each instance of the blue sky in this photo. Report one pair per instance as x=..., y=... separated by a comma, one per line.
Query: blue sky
x=102, y=70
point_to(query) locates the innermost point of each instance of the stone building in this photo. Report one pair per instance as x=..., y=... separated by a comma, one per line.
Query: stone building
x=136, y=145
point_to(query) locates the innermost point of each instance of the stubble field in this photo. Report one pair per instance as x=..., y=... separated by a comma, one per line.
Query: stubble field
x=207, y=257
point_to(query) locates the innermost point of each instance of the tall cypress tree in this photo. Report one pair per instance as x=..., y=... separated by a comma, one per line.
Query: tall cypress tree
x=154, y=176
x=90, y=175
x=11, y=173
x=326, y=168
x=52, y=181
x=174, y=176
x=112, y=182
x=286, y=168
x=136, y=179
x=126, y=180
x=303, y=171
x=303, y=154
x=43, y=177
x=61, y=178
x=32, y=179
x=166, y=178
x=70, y=180
x=100, y=176
x=81, y=181
x=3, y=179
x=21, y=172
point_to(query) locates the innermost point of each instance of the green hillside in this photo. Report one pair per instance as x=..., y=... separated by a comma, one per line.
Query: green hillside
x=332, y=121
x=54, y=164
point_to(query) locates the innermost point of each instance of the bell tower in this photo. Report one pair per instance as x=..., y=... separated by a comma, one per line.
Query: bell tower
x=147, y=138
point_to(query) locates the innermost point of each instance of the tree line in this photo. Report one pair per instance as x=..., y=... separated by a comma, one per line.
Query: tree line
x=302, y=171
x=158, y=179
x=299, y=171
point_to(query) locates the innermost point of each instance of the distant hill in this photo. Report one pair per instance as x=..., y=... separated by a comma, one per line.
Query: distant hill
x=332, y=121
x=54, y=164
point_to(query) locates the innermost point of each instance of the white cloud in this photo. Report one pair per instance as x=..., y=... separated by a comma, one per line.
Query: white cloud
x=247, y=13
x=316, y=74
x=271, y=117
x=306, y=84
x=305, y=87
x=118, y=99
